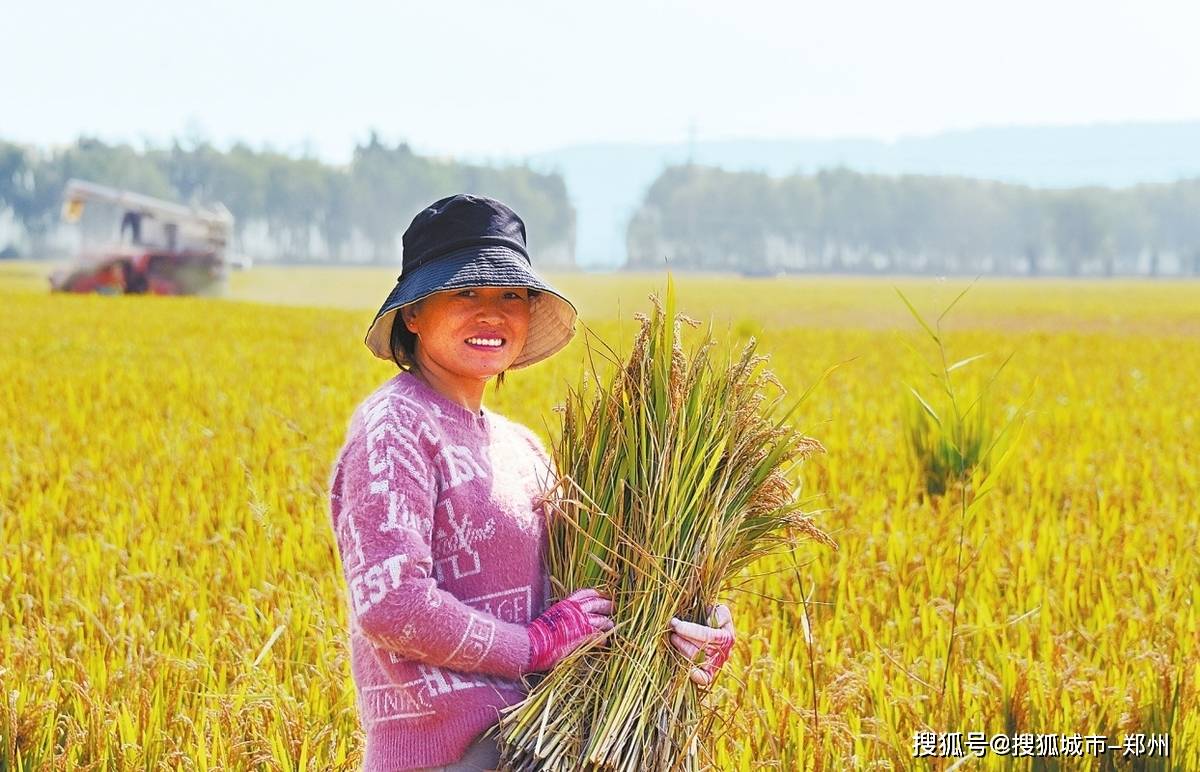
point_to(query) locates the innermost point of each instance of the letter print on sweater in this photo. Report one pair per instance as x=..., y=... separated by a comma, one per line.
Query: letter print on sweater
x=459, y=465
x=439, y=526
x=508, y=605
x=396, y=561
x=414, y=699
x=454, y=553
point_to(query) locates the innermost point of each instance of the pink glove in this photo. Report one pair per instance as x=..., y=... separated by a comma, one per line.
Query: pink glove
x=713, y=644
x=566, y=626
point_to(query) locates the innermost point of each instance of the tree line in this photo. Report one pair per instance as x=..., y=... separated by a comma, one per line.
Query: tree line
x=286, y=207
x=837, y=220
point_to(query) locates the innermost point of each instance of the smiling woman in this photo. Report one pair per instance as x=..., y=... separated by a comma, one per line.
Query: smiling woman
x=437, y=503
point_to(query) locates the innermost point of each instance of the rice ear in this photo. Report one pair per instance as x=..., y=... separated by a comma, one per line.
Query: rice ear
x=674, y=478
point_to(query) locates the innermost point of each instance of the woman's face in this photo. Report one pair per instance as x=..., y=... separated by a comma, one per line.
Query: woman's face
x=474, y=332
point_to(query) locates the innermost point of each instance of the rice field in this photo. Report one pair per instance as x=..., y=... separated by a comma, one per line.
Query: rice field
x=171, y=597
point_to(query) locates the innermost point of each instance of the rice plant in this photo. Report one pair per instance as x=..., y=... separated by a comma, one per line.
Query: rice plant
x=956, y=447
x=170, y=596
x=948, y=442
x=674, y=477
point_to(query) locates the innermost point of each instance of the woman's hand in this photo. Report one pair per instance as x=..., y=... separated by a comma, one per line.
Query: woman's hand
x=708, y=647
x=566, y=626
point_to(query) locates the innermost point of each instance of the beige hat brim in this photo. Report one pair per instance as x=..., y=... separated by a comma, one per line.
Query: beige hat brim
x=551, y=316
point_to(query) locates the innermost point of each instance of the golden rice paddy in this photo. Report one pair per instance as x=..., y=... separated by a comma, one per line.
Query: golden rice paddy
x=171, y=598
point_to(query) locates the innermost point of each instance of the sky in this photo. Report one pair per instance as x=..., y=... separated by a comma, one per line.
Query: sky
x=496, y=80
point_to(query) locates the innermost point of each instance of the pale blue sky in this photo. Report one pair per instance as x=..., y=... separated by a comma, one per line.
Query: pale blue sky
x=495, y=79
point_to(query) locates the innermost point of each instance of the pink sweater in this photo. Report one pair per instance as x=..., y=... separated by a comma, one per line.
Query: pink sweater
x=435, y=512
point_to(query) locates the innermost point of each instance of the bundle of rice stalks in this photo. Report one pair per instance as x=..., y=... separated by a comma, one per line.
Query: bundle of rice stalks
x=673, y=479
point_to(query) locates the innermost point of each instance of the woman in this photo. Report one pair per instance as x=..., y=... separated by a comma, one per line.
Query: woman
x=435, y=503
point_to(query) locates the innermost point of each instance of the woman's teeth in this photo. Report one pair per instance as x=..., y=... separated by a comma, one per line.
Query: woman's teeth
x=493, y=342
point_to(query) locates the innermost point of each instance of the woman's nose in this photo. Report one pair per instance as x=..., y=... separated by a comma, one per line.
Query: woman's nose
x=489, y=311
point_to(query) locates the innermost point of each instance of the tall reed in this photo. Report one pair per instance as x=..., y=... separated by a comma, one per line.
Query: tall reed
x=953, y=447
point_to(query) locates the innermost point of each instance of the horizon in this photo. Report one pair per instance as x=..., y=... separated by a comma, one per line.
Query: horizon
x=146, y=144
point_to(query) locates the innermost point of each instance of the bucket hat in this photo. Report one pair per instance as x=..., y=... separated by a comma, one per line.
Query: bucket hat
x=473, y=241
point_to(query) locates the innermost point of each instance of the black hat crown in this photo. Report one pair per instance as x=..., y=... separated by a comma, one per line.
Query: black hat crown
x=456, y=222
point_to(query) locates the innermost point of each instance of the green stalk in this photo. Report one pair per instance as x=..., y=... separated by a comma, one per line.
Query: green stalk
x=673, y=478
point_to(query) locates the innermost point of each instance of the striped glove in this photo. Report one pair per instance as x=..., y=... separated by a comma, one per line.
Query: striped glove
x=566, y=626
x=707, y=645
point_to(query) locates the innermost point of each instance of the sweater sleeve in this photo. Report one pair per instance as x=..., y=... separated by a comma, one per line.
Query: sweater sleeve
x=383, y=496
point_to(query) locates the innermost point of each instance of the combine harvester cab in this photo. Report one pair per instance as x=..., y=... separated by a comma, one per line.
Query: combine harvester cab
x=163, y=248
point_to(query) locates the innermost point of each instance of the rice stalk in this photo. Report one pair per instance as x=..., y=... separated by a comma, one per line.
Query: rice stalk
x=673, y=478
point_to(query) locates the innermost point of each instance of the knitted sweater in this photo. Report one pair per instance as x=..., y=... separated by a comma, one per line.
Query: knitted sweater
x=437, y=519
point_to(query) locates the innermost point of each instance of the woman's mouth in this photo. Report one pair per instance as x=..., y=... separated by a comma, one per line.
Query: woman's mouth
x=487, y=344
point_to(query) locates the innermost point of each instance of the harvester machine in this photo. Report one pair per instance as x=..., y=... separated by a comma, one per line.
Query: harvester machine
x=161, y=247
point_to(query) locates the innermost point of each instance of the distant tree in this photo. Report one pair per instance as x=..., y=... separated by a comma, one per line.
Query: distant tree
x=16, y=179
x=337, y=221
x=842, y=220
x=375, y=196
x=35, y=195
x=383, y=189
x=1176, y=221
